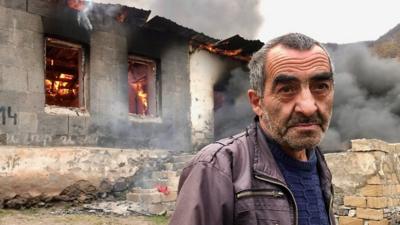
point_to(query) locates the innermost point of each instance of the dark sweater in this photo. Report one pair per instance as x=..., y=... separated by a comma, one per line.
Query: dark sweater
x=303, y=180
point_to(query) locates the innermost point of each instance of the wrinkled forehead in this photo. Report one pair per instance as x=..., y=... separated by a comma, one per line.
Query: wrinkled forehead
x=283, y=59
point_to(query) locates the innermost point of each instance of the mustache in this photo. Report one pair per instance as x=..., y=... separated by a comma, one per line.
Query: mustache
x=297, y=119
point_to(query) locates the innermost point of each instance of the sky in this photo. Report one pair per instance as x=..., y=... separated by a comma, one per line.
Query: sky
x=338, y=21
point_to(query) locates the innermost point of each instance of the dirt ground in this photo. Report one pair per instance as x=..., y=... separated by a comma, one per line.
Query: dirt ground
x=52, y=217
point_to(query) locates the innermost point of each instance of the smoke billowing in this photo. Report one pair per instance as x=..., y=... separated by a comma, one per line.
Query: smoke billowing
x=367, y=99
x=220, y=19
x=235, y=113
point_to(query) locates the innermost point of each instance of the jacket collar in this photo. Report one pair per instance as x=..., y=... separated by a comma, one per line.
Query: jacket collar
x=263, y=161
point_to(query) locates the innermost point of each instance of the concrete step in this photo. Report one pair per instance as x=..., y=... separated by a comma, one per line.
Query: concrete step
x=143, y=190
x=152, y=183
x=150, y=196
x=164, y=174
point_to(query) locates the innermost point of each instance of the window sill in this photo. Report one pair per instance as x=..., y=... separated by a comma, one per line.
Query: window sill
x=144, y=119
x=57, y=110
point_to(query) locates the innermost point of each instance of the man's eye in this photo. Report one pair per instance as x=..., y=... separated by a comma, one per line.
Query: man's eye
x=287, y=90
x=321, y=87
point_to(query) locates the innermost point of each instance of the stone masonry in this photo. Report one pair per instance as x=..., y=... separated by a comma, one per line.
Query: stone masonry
x=366, y=182
x=40, y=177
x=29, y=175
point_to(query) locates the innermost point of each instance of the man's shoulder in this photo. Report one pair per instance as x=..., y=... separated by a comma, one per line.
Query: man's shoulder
x=222, y=153
x=220, y=146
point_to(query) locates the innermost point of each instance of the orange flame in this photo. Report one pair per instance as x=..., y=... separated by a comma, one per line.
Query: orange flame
x=213, y=49
x=59, y=88
x=236, y=53
x=79, y=5
x=47, y=82
x=141, y=94
x=121, y=17
x=66, y=76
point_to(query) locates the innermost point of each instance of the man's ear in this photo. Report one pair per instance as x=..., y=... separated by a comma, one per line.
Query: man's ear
x=255, y=102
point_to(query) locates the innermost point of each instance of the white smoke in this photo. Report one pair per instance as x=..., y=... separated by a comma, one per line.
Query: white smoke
x=83, y=20
x=219, y=19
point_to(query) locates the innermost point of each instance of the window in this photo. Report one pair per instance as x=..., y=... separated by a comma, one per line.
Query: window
x=63, y=75
x=142, y=86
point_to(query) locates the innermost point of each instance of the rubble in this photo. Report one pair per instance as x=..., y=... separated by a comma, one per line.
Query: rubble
x=82, y=191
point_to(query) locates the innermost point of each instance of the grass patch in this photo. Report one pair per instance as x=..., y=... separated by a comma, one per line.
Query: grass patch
x=30, y=211
x=159, y=220
x=4, y=212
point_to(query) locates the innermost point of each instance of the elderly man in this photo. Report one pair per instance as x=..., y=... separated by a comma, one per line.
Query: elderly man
x=273, y=172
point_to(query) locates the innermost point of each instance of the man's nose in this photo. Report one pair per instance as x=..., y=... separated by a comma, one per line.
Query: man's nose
x=305, y=103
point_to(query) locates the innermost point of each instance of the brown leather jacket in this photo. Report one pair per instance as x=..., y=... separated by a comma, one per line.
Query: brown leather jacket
x=236, y=181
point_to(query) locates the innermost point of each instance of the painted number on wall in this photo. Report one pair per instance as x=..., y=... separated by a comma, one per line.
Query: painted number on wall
x=6, y=113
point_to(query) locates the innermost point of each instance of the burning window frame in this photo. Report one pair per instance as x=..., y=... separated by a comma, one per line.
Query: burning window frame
x=152, y=88
x=59, y=43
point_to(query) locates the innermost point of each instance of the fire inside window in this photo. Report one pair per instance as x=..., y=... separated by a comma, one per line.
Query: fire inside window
x=142, y=86
x=63, y=76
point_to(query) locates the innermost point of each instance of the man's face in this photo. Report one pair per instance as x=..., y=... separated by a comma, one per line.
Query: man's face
x=296, y=105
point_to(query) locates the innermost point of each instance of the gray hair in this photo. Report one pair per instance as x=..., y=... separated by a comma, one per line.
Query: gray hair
x=257, y=63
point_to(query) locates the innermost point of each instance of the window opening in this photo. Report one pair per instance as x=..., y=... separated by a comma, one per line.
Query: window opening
x=63, y=74
x=142, y=86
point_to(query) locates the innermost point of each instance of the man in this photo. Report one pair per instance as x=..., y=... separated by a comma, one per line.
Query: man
x=272, y=173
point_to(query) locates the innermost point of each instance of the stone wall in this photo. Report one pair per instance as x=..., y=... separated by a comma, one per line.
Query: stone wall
x=366, y=182
x=29, y=175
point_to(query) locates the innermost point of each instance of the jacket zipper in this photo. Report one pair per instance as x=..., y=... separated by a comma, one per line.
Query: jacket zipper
x=285, y=187
x=275, y=194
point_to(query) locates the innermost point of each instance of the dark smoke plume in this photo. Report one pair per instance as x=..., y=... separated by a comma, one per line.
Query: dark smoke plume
x=235, y=113
x=367, y=97
x=219, y=19
x=367, y=100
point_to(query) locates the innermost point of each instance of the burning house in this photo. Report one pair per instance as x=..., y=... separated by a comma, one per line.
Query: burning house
x=96, y=92
x=111, y=77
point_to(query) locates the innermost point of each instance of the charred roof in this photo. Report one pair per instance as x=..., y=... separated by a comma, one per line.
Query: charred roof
x=237, y=42
x=165, y=25
x=235, y=46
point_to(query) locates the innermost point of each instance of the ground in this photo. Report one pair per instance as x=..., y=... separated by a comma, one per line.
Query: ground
x=57, y=216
